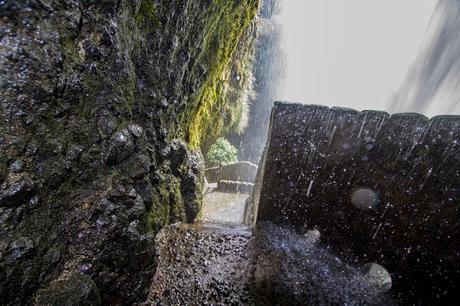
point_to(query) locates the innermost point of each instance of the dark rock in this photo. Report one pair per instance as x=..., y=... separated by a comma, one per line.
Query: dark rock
x=177, y=152
x=77, y=290
x=135, y=130
x=391, y=207
x=119, y=148
x=34, y=201
x=16, y=190
x=17, y=166
x=52, y=256
x=54, y=173
x=82, y=108
x=137, y=209
x=73, y=153
x=192, y=182
x=3, y=170
x=3, y=247
x=144, y=189
x=91, y=51
x=136, y=166
x=21, y=248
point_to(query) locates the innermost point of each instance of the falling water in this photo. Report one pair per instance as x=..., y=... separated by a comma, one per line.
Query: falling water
x=269, y=70
x=298, y=58
x=432, y=84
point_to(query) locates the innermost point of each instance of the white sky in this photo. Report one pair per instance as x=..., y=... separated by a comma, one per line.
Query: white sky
x=351, y=53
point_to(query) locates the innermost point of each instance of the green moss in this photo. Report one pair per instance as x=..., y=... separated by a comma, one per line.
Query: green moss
x=167, y=204
x=159, y=213
x=223, y=33
x=146, y=15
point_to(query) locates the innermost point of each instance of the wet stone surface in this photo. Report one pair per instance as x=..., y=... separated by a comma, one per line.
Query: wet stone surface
x=379, y=188
x=202, y=264
x=211, y=264
x=224, y=207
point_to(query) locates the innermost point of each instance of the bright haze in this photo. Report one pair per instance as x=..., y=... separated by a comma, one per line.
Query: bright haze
x=352, y=53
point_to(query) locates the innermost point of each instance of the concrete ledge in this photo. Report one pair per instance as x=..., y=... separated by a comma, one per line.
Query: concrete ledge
x=379, y=188
x=235, y=186
x=242, y=171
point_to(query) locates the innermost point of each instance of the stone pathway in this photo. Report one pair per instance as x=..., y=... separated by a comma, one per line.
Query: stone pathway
x=214, y=264
x=202, y=264
x=224, y=207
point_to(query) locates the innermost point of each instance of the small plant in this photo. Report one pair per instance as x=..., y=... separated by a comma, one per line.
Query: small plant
x=222, y=153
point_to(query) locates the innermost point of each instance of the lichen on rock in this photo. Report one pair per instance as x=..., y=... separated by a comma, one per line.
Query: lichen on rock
x=97, y=150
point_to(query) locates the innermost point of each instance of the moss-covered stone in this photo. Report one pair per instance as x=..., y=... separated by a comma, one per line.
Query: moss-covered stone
x=76, y=74
x=206, y=114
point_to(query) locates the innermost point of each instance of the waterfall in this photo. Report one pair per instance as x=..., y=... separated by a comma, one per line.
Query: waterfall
x=269, y=69
x=432, y=84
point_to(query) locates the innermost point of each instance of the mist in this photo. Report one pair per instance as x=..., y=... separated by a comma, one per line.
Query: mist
x=432, y=84
x=369, y=54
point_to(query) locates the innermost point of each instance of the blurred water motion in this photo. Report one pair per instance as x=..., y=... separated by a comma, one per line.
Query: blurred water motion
x=432, y=84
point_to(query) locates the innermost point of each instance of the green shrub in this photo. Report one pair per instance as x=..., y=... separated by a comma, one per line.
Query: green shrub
x=221, y=153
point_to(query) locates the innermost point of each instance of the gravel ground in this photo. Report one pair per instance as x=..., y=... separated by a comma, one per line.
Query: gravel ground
x=202, y=264
x=213, y=264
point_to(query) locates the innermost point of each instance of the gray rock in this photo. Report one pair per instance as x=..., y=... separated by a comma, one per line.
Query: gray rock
x=136, y=166
x=74, y=153
x=135, y=130
x=138, y=207
x=77, y=290
x=34, y=201
x=21, y=248
x=120, y=147
x=16, y=190
x=241, y=171
x=17, y=166
x=3, y=246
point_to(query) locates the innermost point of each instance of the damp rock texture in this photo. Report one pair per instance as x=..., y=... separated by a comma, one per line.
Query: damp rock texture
x=99, y=102
x=203, y=264
x=379, y=188
x=211, y=264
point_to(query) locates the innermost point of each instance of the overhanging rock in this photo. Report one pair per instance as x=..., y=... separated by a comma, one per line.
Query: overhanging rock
x=379, y=188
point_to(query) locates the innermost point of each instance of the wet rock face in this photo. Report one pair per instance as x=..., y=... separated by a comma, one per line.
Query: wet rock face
x=77, y=290
x=213, y=264
x=92, y=94
x=379, y=188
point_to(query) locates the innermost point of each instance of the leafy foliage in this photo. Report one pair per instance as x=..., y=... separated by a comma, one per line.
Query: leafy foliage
x=222, y=153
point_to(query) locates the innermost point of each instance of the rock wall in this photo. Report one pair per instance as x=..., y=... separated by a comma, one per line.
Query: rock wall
x=98, y=101
x=379, y=188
